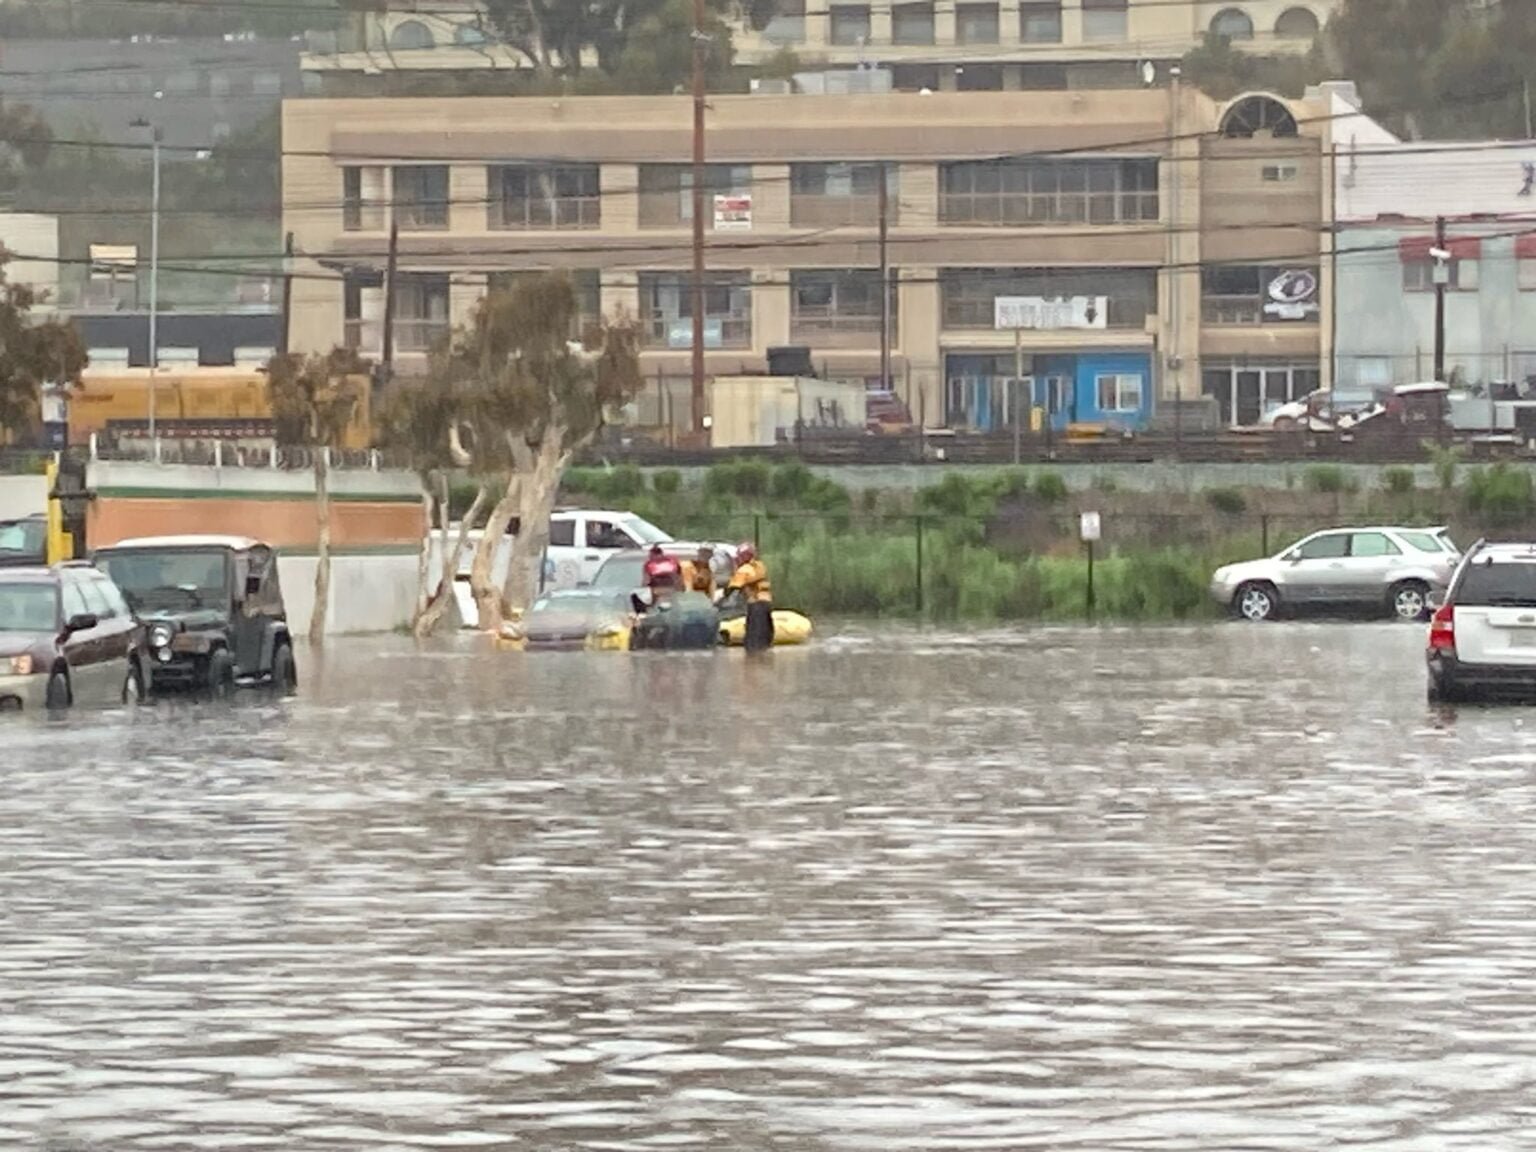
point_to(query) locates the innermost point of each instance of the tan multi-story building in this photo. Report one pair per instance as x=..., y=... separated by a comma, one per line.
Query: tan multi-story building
x=1118, y=249
x=936, y=44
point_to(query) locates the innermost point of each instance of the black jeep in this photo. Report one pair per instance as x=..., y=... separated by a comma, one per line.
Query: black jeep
x=212, y=611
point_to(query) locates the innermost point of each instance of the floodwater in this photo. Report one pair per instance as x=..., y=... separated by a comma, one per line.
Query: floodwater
x=1228, y=888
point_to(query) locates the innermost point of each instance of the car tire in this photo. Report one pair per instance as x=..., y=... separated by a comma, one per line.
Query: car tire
x=1408, y=600
x=135, y=691
x=1256, y=601
x=285, y=673
x=58, y=694
x=221, y=674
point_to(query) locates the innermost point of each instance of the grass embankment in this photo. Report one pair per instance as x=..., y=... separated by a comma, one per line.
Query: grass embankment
x=1004, y=546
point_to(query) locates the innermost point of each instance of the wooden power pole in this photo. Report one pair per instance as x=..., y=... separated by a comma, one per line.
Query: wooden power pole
x=700, y=47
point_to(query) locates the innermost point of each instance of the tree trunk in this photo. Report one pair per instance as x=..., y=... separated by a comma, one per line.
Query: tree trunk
x=537, y=500
x=481, y=574
x=443, y=596
x=323, y=546
x=424, y=556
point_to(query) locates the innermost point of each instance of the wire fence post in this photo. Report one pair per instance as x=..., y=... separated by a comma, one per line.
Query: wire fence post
x=1264, y=533
x=757, y=531
x=919, y=524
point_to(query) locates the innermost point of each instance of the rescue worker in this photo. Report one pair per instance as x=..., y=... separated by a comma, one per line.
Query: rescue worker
x=699, y=573
x=751, y=580
x=660, y=576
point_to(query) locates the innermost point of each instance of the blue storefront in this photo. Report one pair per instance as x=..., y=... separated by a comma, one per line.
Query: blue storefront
x=1113, y=388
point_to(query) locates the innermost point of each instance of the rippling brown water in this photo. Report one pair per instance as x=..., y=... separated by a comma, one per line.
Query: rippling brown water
x=1219, y=889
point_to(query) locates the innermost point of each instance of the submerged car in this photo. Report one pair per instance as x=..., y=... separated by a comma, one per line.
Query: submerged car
x=682, y=620
x=67, y=636
x=1389, y=570
x=1482, y=638
x=212, y=610
x=572, y=619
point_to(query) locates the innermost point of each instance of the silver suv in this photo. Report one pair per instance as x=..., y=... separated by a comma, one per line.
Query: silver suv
x=1378, y=569
x=1482, y=639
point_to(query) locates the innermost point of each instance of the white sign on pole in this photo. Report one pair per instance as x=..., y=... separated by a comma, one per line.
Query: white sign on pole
x=1089, y=527
x=733, y=212
x=1050, y=312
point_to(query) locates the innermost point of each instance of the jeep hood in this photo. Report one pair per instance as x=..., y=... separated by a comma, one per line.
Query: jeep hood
x=15, y=643
x=192, y=620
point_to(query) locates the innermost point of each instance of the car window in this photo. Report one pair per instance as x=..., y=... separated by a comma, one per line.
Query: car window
x=74, y=602
x=562, y=533
x=95, y=599
x=28, y=607
x=1423, y=542
x=1329, y=547
x=26, y=537
x=645, y=532
x=1511, y=583
x=620, y=572
x=602, y=534
x=1373, y=544
x=115, y=598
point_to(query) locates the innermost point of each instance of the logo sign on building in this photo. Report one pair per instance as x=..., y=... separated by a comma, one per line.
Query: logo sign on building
x=1292, y=295
x=733, y=212
x=1050, y=312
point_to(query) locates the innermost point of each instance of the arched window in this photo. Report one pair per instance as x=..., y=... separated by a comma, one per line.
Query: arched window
x=1297, y=24
x=411, y=34
x=1232, y=24
x=1257, y=115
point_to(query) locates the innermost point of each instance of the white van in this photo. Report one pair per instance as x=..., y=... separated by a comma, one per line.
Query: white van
x=581, y=539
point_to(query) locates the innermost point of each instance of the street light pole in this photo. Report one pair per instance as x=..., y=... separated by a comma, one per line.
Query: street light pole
x=154, y=277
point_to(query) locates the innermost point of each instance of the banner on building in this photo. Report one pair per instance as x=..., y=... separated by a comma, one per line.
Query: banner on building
x=680, y=333
x=733, y=212
x=1291, y=294
x=1050, y=312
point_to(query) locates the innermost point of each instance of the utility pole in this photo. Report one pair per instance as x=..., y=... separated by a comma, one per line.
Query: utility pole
x=700, y=46
x=154, y=276
x=387, y=337
x=1171, y=355
x=286, y=316
x=1442, y=274
x=885, y=279
x=1525, y=89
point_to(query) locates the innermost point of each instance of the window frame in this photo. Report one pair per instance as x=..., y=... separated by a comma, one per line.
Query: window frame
x=1120, y=380
x=415, y=208
x=550, y=210
x=1392, y=546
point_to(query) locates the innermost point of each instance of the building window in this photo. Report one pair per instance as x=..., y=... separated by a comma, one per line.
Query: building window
x=976, y=24
x=1278, y=173
x=527, y=196
x=666, y=192
x=1232, y=24
x=363, y=312
x=666, y=306
x=832, y=195
x=1048, y=191
x=267, y=84
x=1106, y=20
x=421, y=317
x=787, y=24
x=421, y=197
x=912, y=24
x=410, y=36
x=586, y=282
x=1258, y=294
x=1118, y=392
x=1297, y=24
x=1419, y=266
x=915, y=77
x=850, y=25
x=1040, y=23
x=979, y=78
x=362, y=199
x=824, y=302
x=967, y=295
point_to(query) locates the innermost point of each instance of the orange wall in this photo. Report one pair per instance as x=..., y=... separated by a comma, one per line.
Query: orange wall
x=281, y=523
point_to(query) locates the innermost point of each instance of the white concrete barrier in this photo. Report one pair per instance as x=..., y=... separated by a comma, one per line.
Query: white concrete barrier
x=369, y=593
x=22, y=496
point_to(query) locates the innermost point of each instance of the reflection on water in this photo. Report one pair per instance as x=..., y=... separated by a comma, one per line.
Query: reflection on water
x=1221, y=889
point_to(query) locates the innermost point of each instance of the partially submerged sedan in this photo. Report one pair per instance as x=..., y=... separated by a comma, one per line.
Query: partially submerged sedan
x=574, y=619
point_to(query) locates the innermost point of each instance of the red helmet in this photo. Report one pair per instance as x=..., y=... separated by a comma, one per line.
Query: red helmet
x=745, y=551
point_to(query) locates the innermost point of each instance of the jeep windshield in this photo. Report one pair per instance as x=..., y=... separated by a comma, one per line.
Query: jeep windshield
x=23, y=542
x=174, y=580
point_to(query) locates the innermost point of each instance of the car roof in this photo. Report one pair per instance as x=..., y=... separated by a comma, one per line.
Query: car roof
x=1524, y=551
x=567, y=513
x=35, y=574
x=235, y=543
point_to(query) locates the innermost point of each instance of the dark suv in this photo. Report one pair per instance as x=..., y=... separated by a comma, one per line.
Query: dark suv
x=67, y=636
x=212, y=611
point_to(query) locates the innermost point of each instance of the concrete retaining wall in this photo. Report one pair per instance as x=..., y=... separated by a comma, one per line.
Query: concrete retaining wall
x=22, y=496
x=373, y=593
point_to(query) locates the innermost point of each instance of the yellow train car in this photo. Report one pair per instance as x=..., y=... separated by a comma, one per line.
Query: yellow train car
x=189, y=401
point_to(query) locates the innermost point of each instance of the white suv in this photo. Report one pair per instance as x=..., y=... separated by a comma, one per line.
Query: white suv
x=1482, y=639
x=581, y=539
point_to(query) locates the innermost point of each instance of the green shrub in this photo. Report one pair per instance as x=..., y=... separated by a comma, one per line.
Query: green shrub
x=1104, y=482
x=1500, y=495
x=667, y=482
x=1050, y=487
x=790, y=482
x=1328, y=478
x=1398, y=480
x=748, y=478
x=1227, y=501
x=1445, y=460
x=618, y=486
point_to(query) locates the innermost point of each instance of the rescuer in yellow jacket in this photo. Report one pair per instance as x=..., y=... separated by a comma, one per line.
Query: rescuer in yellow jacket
x=699, y=573
x=751, y=580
